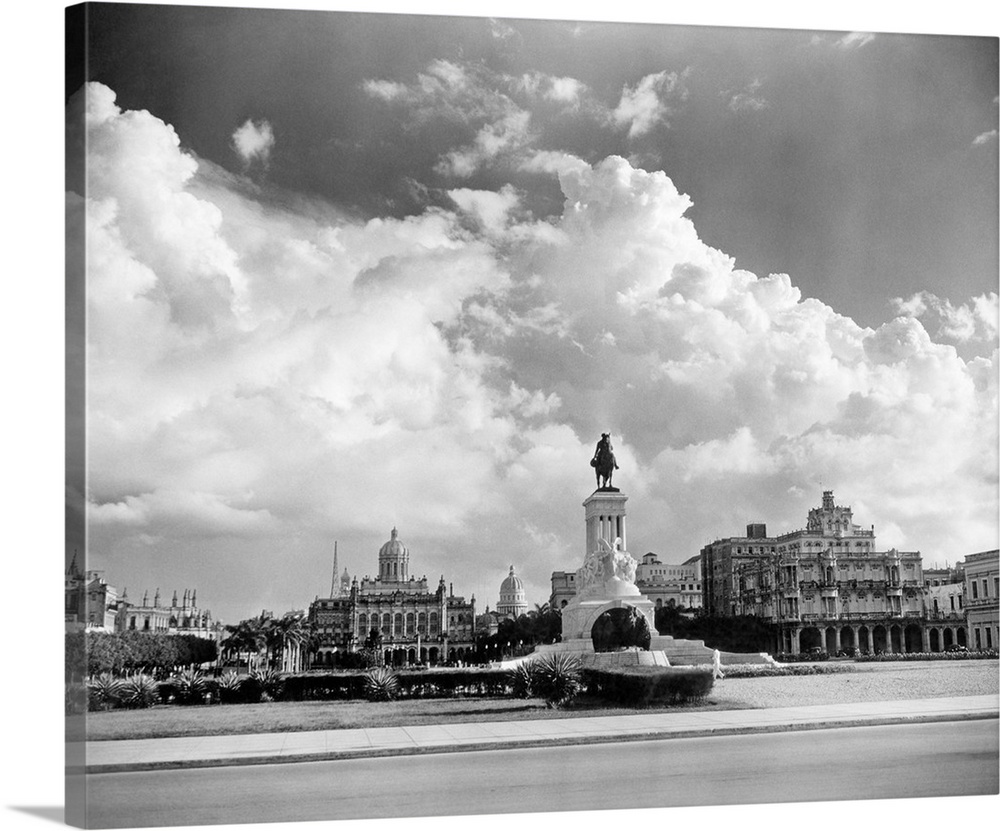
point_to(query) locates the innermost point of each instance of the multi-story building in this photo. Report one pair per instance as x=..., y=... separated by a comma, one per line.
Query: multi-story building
x=665, y=584
x=563, y=588
x=982, y=590
x=94, y=605
x=395, y=612
x=668, y=584
x=944, y=605
x=737, y=574
x=826, y=587
x=90, y=603
x=180, y=617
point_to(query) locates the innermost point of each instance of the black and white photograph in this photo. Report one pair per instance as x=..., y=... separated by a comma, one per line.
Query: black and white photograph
x=526, y=412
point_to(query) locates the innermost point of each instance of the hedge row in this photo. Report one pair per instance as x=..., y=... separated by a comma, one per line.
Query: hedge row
x=768, y=671
x=984, y=654
x=795, y=657
x=645, y=686
x=439, y=683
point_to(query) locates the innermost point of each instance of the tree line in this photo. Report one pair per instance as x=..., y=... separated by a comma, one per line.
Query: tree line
x=123, y=653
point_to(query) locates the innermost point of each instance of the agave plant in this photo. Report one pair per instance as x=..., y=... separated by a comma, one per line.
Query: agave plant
x=381, y=684
x=103, y=691
x=139, y=691
x=267, y=682
x=229, y=684
x=519, y=678
x=190, y=685
x=556, y=678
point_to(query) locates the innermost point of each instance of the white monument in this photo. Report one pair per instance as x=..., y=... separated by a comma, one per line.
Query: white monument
x=606, y=581
x=607, y=578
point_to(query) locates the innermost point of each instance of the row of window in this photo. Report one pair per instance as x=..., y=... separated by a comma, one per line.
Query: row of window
x=420, y=623
x=975, y=588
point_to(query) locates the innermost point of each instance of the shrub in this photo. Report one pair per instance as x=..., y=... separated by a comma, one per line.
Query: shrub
x=797, y=657
x=103, y=692
x=190, y=686
x=555, y=678
x=519, y=678
x=263, y=685
x=229, y=687
x=643, y=686
x=381, y=684
x=139, y=691
x=323, y=686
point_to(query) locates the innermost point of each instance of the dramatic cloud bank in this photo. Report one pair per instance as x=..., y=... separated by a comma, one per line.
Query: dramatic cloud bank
x=268, y=373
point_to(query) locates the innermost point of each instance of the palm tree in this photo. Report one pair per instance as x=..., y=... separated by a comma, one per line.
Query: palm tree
x=286, y=635
x=246, y=637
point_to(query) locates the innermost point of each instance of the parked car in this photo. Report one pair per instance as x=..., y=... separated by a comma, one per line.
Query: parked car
x=955, y=647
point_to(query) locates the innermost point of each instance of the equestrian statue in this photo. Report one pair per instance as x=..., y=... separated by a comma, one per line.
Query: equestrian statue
x=604, y=463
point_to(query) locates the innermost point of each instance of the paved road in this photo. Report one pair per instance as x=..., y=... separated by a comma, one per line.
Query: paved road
x=951, y=758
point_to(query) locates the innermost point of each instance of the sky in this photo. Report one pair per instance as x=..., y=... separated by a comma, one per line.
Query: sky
x=351, y=272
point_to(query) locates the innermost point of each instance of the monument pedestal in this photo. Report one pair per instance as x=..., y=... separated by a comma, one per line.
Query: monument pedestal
x=581, y=613
x=607, y=581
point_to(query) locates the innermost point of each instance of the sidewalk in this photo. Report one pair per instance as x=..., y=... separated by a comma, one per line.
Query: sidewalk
x=322, y=745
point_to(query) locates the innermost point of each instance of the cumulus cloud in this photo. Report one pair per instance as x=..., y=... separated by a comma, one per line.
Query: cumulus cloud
x=563, y=90
x=976, y=320
x=507, y=133
x=253, y=369
x=505, y=117
x=984, y=138
x=467, y=96
x=253, y=141
x=490, y=209
x=649, y=102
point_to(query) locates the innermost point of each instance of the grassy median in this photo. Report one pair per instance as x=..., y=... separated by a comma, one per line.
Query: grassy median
x=869, y=682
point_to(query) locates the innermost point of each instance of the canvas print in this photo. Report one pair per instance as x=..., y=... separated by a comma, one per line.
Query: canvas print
x=535, y=415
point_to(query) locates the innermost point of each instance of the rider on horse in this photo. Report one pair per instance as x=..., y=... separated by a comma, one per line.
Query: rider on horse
x=604, y=463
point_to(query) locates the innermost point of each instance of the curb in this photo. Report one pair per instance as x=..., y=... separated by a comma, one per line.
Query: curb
x=565, y=741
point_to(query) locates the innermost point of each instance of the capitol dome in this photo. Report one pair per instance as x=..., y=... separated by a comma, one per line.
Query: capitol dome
x=393, y=559
x=512, y=584
x=512, y=602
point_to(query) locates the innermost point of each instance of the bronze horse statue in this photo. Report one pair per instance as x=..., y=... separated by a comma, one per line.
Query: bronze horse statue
x=604, y=463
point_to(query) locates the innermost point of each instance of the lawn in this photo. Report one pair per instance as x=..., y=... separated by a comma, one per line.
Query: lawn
x=295, y=716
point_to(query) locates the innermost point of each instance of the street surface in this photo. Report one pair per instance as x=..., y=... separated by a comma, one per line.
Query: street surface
x=939, y=759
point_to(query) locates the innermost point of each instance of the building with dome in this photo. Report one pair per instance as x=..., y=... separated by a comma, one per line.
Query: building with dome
x=512, y=603
x=397, y=613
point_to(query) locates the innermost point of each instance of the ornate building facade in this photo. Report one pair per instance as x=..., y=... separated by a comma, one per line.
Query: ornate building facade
x=94, y=605
x=180, y=617
x=982, y=594
x=826, y=587
x=398, y=613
